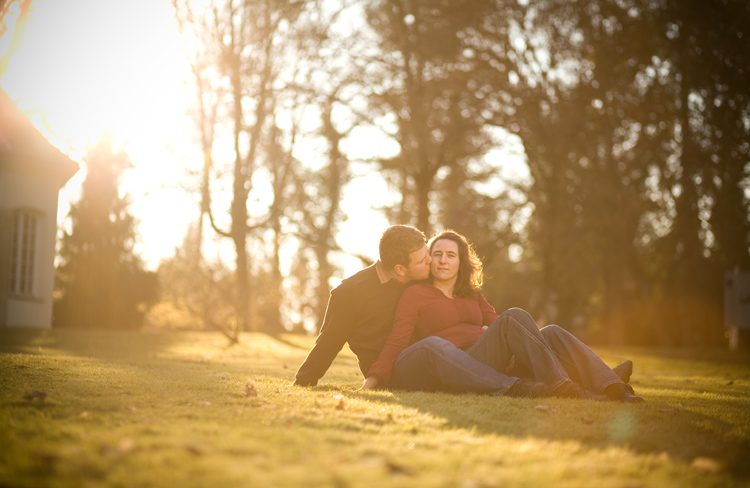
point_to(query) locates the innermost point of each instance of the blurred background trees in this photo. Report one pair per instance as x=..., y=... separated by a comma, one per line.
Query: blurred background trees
x=627, y=123
x=631, y=117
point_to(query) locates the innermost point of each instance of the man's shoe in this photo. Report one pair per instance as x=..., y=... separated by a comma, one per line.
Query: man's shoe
x=624, y=370
x=527, y=389
x=571, y=389
x=622, y=393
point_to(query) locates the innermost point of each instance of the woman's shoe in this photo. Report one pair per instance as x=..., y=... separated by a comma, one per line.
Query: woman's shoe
x=622, y=393
x=624, y=370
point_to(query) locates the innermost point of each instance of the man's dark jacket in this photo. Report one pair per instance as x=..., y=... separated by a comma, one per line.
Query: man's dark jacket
x=360, y=312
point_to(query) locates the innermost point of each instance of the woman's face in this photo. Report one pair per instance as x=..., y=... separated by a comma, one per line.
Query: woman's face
x=445, y=260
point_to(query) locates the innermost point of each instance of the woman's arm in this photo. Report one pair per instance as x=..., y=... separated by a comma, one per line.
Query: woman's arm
x=488, y=311
x=404, y=322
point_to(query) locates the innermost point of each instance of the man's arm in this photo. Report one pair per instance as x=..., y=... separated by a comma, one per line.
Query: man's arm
x=371, y=382
x=334, y=333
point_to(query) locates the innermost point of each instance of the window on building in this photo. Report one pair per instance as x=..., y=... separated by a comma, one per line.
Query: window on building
x=23, y=251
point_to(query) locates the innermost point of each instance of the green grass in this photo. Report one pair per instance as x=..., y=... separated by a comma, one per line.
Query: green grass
x=169, y=409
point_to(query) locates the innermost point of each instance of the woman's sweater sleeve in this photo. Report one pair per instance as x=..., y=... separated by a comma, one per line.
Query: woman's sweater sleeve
x=404, y=322
x=488, y=311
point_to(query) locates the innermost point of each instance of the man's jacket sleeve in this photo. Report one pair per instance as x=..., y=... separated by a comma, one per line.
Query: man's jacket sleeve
x=337, y=326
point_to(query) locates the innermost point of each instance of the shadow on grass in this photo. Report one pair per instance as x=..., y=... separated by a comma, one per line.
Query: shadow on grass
x=667, y=424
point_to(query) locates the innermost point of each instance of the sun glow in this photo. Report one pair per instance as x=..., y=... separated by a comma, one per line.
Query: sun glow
x=85, y=67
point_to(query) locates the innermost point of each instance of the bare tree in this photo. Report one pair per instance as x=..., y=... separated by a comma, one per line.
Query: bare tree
x=236, y=66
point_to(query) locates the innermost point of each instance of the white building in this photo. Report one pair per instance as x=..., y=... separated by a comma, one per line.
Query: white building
x=32, y=171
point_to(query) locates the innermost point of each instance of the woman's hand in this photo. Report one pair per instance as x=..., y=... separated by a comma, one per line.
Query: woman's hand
x=370, y=383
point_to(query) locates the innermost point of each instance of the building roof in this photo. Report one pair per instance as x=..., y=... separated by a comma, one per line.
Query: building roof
x=23, y=149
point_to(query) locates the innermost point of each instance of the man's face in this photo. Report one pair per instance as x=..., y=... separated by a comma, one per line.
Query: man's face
x=419, y=265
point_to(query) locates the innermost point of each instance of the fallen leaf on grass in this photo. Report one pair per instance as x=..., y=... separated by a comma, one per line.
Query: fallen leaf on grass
x=106, y=449
x=338, y=397
x=707, y=464
x=546, y=409
x=250, y=390
x=587, y=420
x=396, y=469
x=194, y=450
x=125, y=445
x=730, y=383
x=31, y=395
x=340, y=406
x=45, y=458
x=203, y=403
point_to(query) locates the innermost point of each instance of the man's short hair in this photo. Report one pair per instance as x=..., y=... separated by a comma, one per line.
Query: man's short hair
x=397, y=242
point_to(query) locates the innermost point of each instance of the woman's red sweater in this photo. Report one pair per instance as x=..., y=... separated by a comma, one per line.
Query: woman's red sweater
x=425, y=311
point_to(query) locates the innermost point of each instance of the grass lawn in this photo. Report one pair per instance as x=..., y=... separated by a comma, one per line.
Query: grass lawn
x=170, y=409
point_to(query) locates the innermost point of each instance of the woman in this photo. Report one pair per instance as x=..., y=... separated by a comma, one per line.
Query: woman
x=452, y=307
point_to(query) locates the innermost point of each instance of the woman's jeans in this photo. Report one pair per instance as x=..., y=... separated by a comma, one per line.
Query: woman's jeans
x=551, y=355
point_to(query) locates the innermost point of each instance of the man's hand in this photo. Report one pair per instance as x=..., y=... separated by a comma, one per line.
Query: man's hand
x=370, y=383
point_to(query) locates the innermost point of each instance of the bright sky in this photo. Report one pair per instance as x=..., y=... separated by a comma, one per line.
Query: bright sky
x=87, y=66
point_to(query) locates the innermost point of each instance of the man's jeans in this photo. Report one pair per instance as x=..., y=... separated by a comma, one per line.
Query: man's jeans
x=551, y=355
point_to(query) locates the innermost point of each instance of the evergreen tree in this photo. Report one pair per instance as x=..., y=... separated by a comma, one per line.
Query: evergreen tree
x=101, y=283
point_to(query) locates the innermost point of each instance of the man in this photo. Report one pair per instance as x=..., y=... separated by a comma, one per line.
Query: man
x=360, y=312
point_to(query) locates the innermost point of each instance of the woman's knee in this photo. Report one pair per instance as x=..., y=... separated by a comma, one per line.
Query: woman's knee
x=518, y=314
x=553, y=332
x=518, y=317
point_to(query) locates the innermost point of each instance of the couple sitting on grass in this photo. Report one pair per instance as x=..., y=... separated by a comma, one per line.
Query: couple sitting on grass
x=441, y=334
